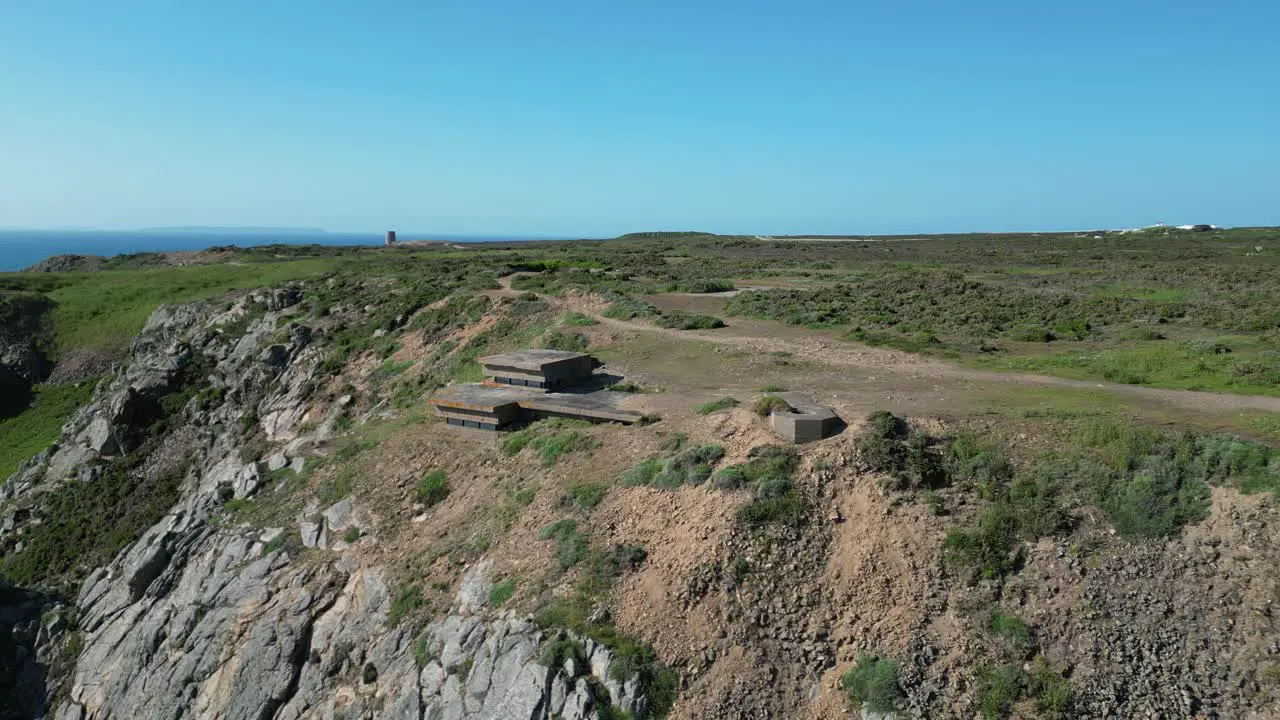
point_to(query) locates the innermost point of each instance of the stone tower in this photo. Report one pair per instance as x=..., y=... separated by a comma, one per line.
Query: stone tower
x=391, y=238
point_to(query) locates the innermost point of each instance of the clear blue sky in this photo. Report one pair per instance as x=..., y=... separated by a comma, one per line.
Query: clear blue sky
x=595, y=118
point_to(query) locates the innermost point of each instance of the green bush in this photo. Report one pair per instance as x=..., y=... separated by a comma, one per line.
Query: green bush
x=584, y=496
x=406, y=601
x=681, y=320
x=998, y=690
x=571, y=545
x=691, y=466
x=572, y=341
x=433, y=488
x=772, y=388
x=517, y=441
x=1010, y=628
x=714, y=406
x=789, y=509
x=625, y=307
x=729, y=478
x=578, y=319
x=769, y=404
x=872, y=684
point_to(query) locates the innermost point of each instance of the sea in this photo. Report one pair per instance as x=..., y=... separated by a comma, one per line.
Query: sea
x=23, y=248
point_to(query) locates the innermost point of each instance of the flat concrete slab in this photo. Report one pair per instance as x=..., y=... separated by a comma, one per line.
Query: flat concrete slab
x=500, y=402
x=531, y=359
x=474, y=396
x=601, y=405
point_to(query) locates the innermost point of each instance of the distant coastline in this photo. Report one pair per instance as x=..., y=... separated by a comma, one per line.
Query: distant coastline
x=23, y=248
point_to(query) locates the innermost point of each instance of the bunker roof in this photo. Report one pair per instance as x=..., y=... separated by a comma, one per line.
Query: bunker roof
x=531, y=359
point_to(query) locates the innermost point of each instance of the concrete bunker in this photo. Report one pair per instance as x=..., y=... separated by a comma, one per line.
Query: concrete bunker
x=522, y=385
x=537, y=370
x=805, y=422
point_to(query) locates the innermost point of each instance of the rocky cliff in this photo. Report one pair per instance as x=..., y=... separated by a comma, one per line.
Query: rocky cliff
x=201, y=616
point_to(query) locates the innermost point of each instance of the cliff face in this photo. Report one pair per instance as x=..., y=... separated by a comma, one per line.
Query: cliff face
x=201, y=617
x=23, y=358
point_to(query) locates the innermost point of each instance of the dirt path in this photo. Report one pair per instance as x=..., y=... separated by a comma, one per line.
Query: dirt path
x=766, y=336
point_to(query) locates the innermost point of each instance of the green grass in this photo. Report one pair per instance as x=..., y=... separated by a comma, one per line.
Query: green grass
x=769, y=404
x=690, y=466
x=103, y=310
x=557, y=340
x=501, y=593
x=1177, y=366
x=584, y=496
x=1010, y=628
x=998, y=690
x=432, y=489
x=714, y=406
x=772, y=388
x=1266, y=424
x=33, y=430
x=571, y=544
x=872, y=683
x=408, y=599
x=552, y=447
x=577, y=319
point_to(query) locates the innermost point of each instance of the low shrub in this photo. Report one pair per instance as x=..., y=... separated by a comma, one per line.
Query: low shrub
x=406, y=601
x=1010, y=628
x=433, y=488
x=626, y=307
x=681, y=320
x=501, y=592
x=714, y=406
x=572, y=341
x=584, y=496
x=571, y=545
x=872, y=683
x=691, y=466
x=769, y=404
x=998, y=690
x=551, y=447
x=578, y=319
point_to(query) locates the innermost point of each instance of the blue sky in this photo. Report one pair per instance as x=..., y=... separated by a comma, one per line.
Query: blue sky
x=576, y=118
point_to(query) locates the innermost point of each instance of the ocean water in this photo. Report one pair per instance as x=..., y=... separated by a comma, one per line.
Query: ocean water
x=23, y=248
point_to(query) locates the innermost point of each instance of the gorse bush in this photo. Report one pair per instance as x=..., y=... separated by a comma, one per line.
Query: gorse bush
x=691, y=466
x=571, y=545
x=911, y=459
x=680, y=320
x=432, y=489
x=768, y=472
x=625, y=307
x=872, y=684
x=584, y=496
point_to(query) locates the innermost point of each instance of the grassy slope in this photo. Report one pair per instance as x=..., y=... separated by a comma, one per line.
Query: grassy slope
x=102, y=311
x=32, y=431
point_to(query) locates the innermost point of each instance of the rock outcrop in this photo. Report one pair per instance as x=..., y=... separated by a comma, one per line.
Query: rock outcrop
x=203, y=618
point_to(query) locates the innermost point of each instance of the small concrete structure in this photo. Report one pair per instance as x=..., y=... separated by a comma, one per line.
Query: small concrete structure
x=391, y=238
x=805, y=422
x=537, y=370
x=518, y=386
